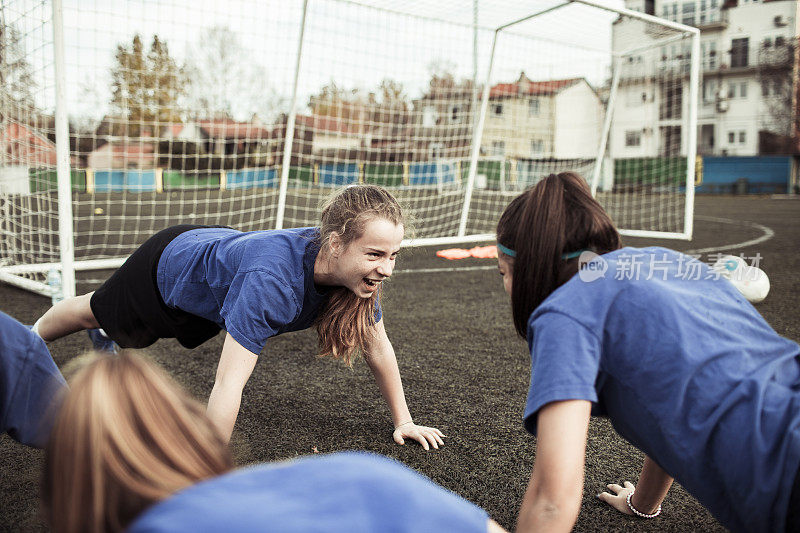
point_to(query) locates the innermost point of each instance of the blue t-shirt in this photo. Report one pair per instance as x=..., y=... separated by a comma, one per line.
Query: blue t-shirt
x=30, y=384
x=354, y=492
x=688, y=372
x=254, y=285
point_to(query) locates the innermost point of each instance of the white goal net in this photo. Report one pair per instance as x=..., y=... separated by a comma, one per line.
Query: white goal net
x=248, y=113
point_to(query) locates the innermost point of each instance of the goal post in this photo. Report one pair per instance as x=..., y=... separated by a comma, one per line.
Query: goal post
x=118, y=122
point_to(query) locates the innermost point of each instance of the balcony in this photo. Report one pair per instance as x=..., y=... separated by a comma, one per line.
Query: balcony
x=713, y=21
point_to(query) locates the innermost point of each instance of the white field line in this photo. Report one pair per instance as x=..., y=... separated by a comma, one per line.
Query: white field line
x=768, y=234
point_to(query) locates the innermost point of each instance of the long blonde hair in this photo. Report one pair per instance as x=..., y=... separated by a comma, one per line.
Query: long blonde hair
x=126, y=437
x=344, y=324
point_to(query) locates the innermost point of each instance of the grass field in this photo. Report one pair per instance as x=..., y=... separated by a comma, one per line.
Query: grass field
x=464, y=370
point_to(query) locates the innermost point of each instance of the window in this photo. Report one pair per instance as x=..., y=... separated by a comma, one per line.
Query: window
x=709, y=91
x=533, y=107
x=764, y=87
x=671, y=102
x=497, y=110
x=428, y=117
x=743, y=89
x=498, y=147
x=731, y=137
x=709, y=54
x=767, y=43
x=537, y=146
x=633, y=138
x=779, y=41
x=707, y=137
x=436, y=150
x=741, y=137
x=454, y=114
x=739, y=52
x=688, y=11
x=635, y=97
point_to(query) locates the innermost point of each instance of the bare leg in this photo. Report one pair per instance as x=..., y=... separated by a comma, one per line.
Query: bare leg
x=67, y=316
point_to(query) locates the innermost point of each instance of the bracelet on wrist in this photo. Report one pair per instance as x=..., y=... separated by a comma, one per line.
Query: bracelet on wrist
x=639, y=513
x=404, y=424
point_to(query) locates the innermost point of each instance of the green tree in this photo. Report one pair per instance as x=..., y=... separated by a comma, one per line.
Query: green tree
x=146, y=89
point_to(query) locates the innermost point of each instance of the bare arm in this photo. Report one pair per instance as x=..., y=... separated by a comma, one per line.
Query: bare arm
x=553, y=498
x=382, y=362
x=651, y=490
x=236, y=363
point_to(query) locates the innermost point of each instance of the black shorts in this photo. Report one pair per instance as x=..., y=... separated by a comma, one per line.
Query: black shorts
x=793, y=514
x=129, y=306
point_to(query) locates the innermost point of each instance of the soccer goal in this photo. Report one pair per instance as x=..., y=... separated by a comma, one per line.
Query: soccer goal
x=118, y=120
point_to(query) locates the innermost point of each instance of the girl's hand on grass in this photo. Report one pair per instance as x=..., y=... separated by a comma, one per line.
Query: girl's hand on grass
x=426, y=436
x=618, y=498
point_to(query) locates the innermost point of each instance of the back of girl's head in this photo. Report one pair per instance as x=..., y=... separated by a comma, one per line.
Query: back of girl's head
x=556, y=217
x=126, y=437
x=344, y=325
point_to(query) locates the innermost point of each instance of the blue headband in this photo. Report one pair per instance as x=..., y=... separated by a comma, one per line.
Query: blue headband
x=511, y=253
x=508, y=251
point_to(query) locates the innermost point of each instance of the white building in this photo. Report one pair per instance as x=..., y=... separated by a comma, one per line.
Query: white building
x=747, y=79
x=552, y=119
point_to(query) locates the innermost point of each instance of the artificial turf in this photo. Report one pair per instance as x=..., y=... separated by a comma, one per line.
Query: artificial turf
x=464, y=370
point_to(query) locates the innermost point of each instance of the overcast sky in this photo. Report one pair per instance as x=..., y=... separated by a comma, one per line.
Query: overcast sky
x=354, y=45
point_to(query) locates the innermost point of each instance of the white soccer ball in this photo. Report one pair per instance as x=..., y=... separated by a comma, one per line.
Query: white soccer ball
x=750, y=281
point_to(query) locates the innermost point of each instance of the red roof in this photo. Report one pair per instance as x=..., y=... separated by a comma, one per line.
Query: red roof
x=329, y=124
x=526, y=87
x=131, y=150
x=21, y=145
x=230, y=129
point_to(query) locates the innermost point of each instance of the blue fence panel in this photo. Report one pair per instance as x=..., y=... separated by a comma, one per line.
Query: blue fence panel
x=109, y=180
x=436, y=173
x=337, y=173
x=757, y=174
x=140, y=180
x=250, y=178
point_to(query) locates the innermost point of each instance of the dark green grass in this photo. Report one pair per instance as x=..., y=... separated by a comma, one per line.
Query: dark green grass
x=464, y=370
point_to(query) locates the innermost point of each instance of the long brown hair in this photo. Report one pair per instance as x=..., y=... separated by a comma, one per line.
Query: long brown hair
x=557, y=216
x=126, y=437
x=344, y=324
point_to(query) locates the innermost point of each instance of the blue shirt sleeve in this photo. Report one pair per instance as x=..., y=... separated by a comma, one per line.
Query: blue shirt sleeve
x=30, y=384
x=565, y=363
x=256, y=307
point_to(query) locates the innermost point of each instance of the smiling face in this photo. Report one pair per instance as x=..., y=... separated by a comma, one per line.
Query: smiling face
x=366, y=261
x=506, y=267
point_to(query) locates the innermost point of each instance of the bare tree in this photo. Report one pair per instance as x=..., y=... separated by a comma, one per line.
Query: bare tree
x=780, y=125
x=16, y=77
x=225, y=82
